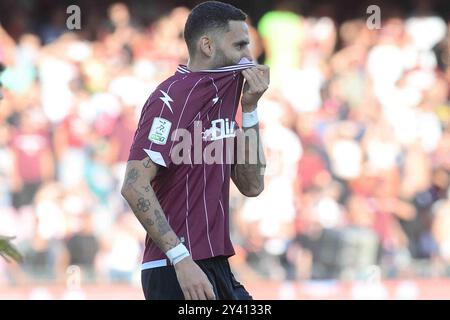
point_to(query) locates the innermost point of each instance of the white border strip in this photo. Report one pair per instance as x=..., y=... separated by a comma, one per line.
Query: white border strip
x=154, y=264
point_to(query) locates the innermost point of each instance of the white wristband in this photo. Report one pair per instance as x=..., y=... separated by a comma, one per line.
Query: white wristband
x=177, y=254
x=249, y=119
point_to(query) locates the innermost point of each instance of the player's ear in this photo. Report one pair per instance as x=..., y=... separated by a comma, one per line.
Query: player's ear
x=206, y=45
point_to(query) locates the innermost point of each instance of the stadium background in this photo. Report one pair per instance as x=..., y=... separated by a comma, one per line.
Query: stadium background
x=355, y=124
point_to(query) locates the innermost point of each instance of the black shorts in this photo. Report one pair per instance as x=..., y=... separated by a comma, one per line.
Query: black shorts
x=162, y=283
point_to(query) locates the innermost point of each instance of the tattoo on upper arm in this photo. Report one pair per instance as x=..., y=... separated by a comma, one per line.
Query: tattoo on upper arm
x=143, y=204
x=132, y=176
x=147, y=163
x=147, y=188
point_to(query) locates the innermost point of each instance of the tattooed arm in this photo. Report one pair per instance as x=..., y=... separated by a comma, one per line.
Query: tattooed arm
x=139, y=194
x=142, y=199
x=249, y=176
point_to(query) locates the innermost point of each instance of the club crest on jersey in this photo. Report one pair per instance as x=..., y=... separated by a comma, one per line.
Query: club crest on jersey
x=160, y=130
x=220, y=129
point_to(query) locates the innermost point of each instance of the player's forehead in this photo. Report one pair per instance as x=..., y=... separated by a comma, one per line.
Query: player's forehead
x=238, y=32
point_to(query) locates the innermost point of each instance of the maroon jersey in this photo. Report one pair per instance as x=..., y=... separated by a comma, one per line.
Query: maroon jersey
x=182, y=118
x=30, y=149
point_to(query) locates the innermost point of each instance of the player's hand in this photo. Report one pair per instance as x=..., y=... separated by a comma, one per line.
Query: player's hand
x=257, y=82
x=7, y=249
x=193, y=281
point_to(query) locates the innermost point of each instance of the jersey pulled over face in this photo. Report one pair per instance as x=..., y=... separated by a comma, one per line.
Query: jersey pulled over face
x=188, y=127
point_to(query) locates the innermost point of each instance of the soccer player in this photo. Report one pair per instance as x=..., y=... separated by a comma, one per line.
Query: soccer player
x=184, y=205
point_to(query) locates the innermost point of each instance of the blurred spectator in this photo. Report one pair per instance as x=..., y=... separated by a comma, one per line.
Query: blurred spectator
x=7, y=168
x=83, y=247
x=98, y=174
x=32, y=157
x=21, y=74
x=282, y=33
x=44, y=259
x=441, y=233
x=70, y=141
x=55, y=27
x=124, y=250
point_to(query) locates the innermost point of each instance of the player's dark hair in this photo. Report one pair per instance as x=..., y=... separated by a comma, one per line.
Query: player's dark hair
x=209, y=16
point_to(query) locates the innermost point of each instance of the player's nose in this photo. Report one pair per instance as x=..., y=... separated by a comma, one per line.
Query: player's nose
x=247, y=54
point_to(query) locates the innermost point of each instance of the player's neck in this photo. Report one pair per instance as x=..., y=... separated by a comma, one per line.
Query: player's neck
x=195, y=65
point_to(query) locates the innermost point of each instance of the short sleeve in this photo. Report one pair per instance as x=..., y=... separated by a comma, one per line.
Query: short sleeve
x=162, y=114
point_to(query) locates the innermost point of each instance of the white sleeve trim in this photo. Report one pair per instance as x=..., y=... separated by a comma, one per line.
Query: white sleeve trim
x=156, y=157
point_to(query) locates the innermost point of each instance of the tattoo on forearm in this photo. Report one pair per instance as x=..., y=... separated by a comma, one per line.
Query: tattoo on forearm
x=149, y=221
x=161, y=222
x=249, y=176
x=164, y=240
x=166, y=245
x=143, y=204
x=147, y=208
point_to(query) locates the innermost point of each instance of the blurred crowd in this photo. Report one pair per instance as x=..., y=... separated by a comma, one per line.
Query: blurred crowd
x=356, y=128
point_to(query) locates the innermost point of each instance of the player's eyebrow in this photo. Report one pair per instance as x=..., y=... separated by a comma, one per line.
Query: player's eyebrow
x=241, y=43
